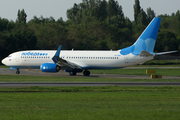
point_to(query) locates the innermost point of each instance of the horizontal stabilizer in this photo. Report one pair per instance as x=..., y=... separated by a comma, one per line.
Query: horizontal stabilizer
x=162, y=53
x=145, y=53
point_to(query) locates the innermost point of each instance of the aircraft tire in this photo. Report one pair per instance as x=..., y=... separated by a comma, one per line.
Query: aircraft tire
x=17, y=72
x=86, y=73
x=72, y=73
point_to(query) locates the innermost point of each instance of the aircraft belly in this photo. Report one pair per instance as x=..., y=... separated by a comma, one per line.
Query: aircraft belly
x=100, y=64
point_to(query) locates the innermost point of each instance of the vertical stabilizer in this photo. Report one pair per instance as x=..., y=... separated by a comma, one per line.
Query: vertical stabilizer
x=146, y=41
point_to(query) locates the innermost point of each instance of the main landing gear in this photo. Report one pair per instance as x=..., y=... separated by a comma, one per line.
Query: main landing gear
x=18, y=72
x=73, y=73
x=86, y=73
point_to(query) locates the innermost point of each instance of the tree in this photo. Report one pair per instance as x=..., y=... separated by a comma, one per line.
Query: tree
x=3, y=24
x=21, y=16
x=150, y=14
x=114, y=9
x=103, y=10
x=178, y=15
x=137, y=10
x=71, y=13
x=166, y=41
x=142, y=18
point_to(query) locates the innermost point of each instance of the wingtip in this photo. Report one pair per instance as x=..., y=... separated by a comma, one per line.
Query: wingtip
x=58, y=51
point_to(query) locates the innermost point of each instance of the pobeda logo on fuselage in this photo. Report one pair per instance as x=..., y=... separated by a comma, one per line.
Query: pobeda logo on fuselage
x=34, y=54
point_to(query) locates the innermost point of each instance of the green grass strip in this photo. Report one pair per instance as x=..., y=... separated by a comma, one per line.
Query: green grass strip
x=164, y=72
x=25, y=78
x=91, y=103
x=90, y=89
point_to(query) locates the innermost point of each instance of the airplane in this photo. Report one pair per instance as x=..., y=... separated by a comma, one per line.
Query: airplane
x=74, y=61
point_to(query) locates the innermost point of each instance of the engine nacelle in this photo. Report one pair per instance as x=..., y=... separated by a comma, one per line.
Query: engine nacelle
x=50, y=67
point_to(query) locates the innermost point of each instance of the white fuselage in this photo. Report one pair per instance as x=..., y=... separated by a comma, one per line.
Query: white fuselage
x=86, y=59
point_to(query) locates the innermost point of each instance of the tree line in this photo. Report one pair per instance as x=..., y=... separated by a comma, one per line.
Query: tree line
x=91, y=25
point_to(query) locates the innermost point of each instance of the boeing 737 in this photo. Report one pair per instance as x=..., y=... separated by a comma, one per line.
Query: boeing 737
x=73, y=61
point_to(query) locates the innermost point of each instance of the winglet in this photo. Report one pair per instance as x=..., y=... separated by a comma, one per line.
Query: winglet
x=58, y=51
x=56, y=56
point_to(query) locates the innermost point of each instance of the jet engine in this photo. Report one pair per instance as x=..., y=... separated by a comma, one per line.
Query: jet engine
x=50, y=67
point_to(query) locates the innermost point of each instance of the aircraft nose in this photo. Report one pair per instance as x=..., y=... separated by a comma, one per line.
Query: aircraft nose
x=4, y=61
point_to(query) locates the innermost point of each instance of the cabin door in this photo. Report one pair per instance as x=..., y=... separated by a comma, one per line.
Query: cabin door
x=126, y=59
x=17, y=57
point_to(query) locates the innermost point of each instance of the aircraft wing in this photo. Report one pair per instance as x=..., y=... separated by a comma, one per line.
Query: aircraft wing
x=64, y=63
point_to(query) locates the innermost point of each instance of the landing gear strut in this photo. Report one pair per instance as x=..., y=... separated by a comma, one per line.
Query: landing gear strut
x=18, y=72
x=72, y=73
x=86, y=73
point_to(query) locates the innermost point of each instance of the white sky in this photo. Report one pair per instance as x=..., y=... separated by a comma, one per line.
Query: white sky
x=58, y=8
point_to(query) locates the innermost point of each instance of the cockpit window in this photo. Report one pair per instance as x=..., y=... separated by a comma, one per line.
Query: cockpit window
x=9, y=56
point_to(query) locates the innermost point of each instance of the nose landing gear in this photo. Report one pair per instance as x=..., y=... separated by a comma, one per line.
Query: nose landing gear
x=18, y=72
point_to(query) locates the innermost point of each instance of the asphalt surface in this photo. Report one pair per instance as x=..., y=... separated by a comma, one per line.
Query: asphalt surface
x=7, y=71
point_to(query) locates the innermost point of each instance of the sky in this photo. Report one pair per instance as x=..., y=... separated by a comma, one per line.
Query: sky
x=58, y=8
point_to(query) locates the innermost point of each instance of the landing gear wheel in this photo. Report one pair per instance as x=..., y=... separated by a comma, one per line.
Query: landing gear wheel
x=72, y=73
x=86, y=73
x=17, y=72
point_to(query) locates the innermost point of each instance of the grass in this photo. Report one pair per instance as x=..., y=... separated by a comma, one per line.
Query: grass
x=162, y=62
x=3, y=66
x=87, y=89
x=21, y=78
x=91, y=103
x=164, y=72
